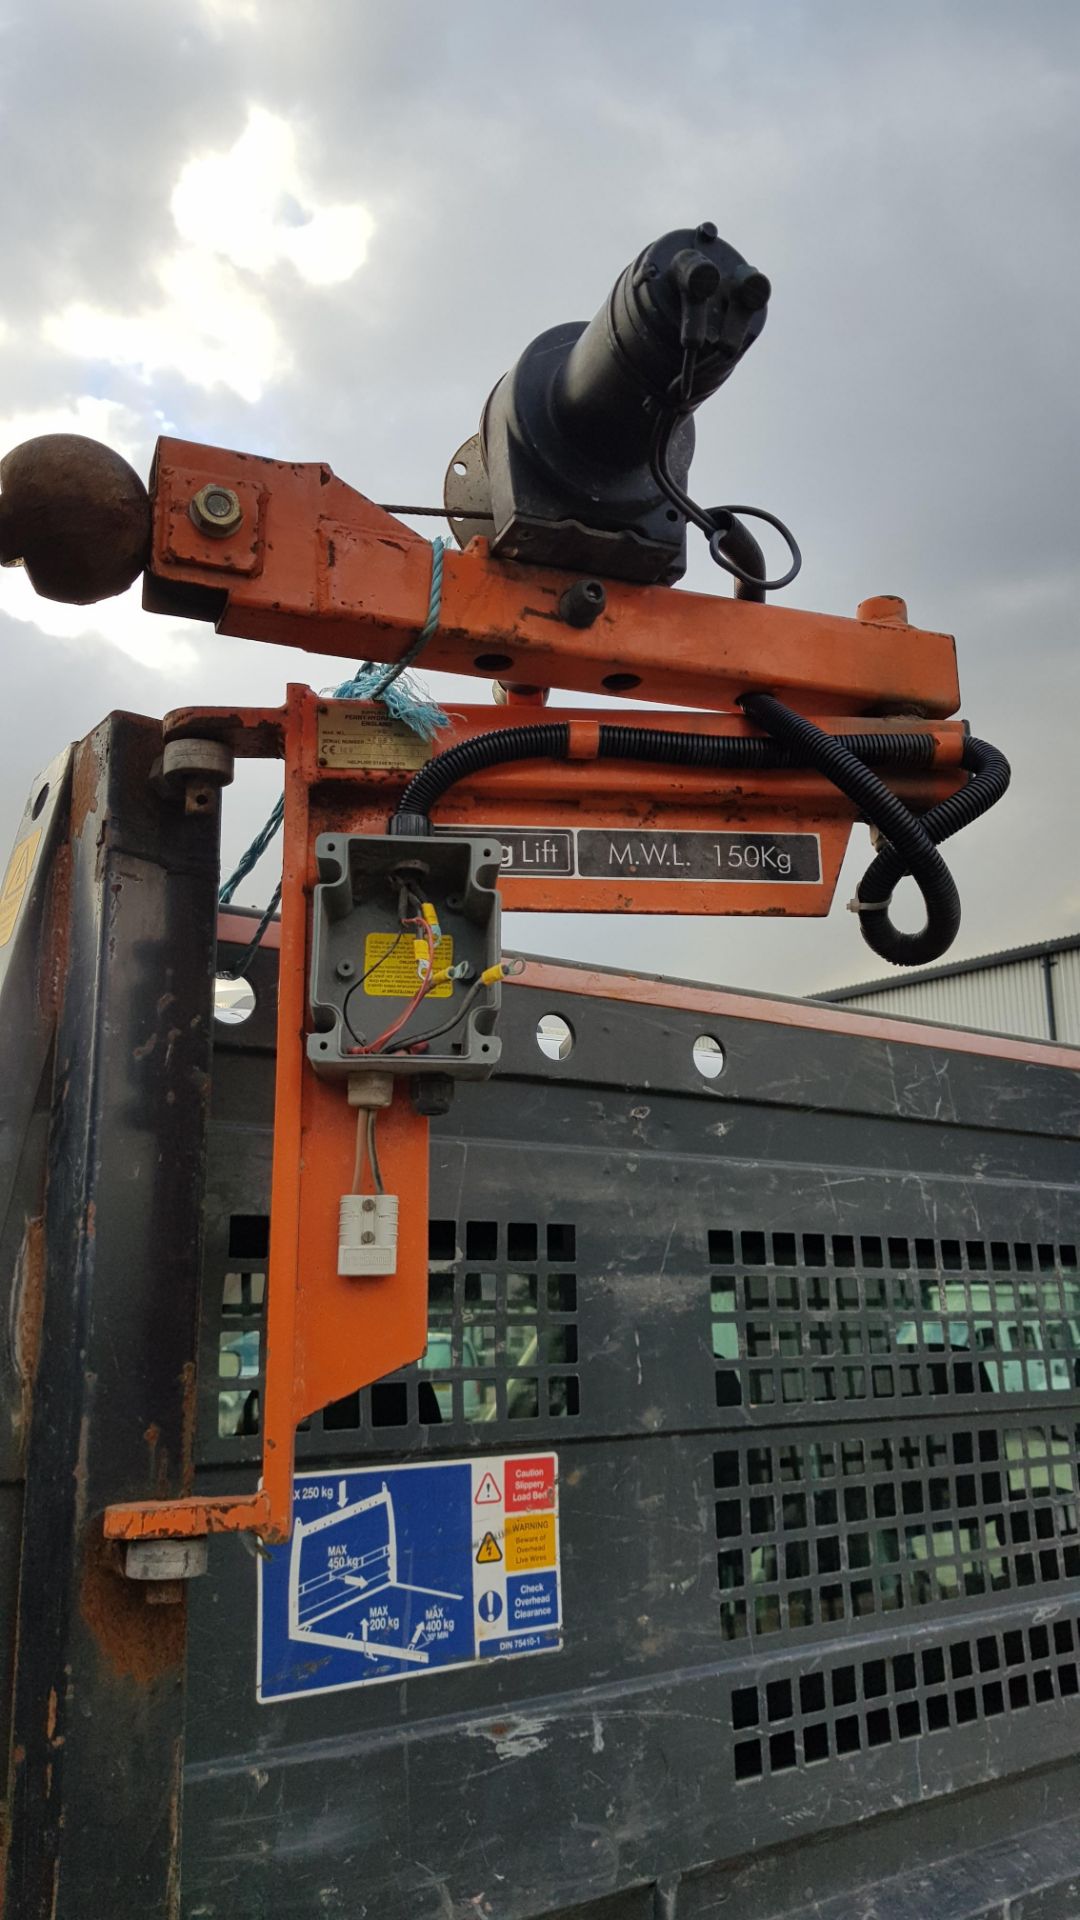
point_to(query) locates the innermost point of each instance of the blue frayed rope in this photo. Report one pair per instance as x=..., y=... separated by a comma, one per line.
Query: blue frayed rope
x=394, y=686
x=404, y=699
x=254, y=853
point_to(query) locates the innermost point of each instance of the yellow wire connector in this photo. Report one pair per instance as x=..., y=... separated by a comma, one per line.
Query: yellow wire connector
x=443, y=974
x=503, y=970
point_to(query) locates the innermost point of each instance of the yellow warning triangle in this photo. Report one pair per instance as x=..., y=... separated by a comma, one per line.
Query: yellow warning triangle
x=488, y=1550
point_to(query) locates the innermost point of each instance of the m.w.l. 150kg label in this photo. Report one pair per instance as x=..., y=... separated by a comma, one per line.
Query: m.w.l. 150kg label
x=593, y=853
x=602, y=855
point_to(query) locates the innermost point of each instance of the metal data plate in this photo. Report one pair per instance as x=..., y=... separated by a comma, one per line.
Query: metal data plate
x=355, y=737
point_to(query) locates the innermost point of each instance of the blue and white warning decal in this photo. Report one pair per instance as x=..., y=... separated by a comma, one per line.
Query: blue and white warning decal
x=397, y=1571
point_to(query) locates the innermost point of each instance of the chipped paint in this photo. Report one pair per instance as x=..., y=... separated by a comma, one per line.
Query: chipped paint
x=27, y=1309
x=175, y=1809
x=52, y=965
x=86, y=774
x=513, y=1739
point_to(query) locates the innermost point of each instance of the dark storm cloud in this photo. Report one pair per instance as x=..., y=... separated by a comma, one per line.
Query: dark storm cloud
x=908, y=179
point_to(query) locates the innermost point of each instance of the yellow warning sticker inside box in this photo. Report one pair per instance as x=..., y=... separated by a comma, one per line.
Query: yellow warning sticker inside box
x=393, y=971
x=530, y=1541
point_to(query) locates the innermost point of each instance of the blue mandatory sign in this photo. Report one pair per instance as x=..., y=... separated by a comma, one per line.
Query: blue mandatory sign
x=532, y=1600
x=389, y=1574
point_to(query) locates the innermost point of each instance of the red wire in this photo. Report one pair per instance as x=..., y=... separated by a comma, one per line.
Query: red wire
x=374, y=1046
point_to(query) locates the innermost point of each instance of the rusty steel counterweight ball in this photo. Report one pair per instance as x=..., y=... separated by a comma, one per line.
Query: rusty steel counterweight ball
x=76, y=515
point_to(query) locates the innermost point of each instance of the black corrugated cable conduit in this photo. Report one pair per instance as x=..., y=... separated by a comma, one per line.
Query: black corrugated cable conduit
x=912, y=838
x=990, y=775
x=844, y=759
x=550, y=740
x=748, y=755
x=547, y=740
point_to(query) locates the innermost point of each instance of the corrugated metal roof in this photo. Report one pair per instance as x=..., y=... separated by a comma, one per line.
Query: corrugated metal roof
x=1009, y=956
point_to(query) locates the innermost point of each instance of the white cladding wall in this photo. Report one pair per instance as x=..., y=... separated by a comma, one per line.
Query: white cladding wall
x=1066, y=977
x=1010, y=998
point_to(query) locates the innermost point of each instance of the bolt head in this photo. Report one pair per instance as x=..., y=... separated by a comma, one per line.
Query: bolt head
x=706, y=232
x=217, y=511
x=582, y=603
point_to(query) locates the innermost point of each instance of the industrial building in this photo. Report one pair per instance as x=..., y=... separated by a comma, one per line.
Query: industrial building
x=1032, y=991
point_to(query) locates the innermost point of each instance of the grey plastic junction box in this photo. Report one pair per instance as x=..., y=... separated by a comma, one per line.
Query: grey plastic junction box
x=357, y=896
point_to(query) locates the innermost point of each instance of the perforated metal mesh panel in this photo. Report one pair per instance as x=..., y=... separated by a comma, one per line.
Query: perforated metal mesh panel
x=852, y=1320
x=844, y=1707
x=502, y=1334
x=805, y=1339
x=815, y=1529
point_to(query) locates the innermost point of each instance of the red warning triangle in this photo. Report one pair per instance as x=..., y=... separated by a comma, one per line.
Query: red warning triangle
x=488, y=1493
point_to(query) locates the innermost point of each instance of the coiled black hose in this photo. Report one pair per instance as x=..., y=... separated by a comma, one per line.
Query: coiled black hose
x=991, y=774
x=912, y=838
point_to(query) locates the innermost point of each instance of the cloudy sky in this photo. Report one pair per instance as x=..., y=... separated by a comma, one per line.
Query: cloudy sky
x=322, y=231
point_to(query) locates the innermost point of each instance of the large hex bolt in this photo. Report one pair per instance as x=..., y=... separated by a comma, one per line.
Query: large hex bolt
x=216, y=511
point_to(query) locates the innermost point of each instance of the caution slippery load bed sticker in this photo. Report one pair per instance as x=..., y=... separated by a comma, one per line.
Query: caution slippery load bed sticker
x=399, y=1571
